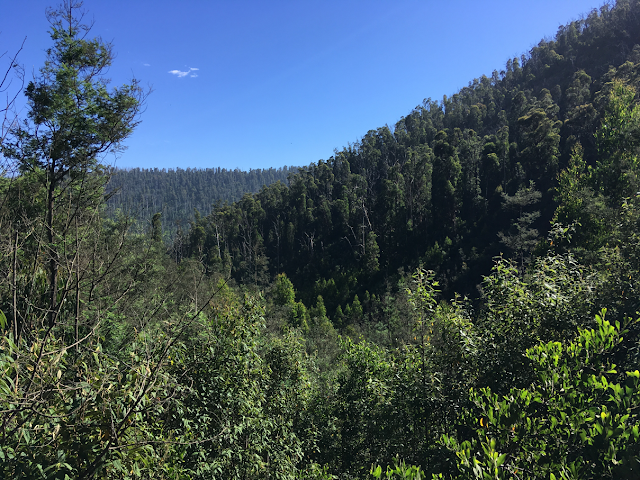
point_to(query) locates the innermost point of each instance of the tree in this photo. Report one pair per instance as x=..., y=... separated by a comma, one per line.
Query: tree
x=523, y=238
x=580, y=206
x=156, y=227
x=617, y=140
x=284, y=294
x=446, y=174
x=62, y=380
x=74, y=120
x=578, y=419
x=591, y=198
x=541, y=138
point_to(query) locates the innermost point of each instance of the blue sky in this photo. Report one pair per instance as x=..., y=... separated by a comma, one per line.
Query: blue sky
x=258, y=84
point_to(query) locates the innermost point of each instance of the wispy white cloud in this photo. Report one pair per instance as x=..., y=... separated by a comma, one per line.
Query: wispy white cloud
x=180, y=73
x=146, y=64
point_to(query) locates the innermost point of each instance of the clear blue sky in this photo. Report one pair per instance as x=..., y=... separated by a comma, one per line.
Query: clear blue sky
x=273, y=83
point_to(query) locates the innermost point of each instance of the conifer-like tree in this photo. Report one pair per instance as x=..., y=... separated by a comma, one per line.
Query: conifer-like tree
x=74, y=120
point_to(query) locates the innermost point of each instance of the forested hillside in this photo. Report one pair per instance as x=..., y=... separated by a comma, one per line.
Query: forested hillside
x=141, y=193
x=453, y=184
x=313, y=331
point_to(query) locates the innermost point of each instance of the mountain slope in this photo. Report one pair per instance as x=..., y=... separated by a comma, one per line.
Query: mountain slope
x=176, y=193
x=453, y=184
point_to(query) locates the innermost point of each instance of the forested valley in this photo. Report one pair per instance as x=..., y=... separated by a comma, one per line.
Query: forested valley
x=454, y=297
x=178, y=193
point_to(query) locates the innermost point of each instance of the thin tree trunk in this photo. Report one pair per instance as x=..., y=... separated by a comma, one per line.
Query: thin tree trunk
x=53, y=252
x=16, y=329
x=77, y=287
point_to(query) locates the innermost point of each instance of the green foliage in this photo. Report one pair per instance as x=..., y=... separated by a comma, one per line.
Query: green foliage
x=70, y=415
x=579, y=204
x=284, y=294
x=119, y=359
x=401, y=471
x=578, y=417
x=616, y=171
x=362, y=413
x=141, y=192
x=555, y=298
x=156, y=227
x=459, y=168
x=372, y=254
x=591, y=196
x=541, y=139
x=521, y=238
x=299, y=316
x=241, y=414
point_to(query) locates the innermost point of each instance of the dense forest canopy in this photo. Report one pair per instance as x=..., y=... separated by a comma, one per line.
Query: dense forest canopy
x=454, y=297
x=176, y=193
x=451, y=186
